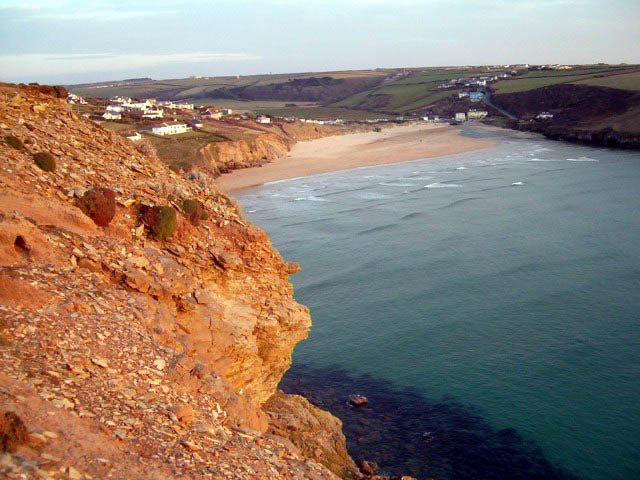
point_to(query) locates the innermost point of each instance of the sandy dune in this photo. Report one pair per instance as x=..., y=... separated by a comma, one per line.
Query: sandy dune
x=391, y=145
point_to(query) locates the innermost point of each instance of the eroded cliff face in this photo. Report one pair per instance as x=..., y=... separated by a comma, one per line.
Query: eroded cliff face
x=157, y=357
x=259, y=145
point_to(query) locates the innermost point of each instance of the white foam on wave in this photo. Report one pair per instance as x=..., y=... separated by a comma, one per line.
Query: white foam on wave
x=427, y=177
x=461, y=168
x=310, y=198
x=582, y=159
x=543, y=160
x=517, y=184
x=391, y=184
x=442, y=185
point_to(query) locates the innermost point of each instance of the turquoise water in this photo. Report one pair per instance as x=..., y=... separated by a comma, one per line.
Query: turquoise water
x=505, y=282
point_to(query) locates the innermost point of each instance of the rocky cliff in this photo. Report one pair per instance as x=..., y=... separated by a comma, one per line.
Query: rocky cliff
x=256, y=146
x=144, y=324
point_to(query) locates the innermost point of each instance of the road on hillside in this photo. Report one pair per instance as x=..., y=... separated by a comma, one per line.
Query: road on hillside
x=487, y=100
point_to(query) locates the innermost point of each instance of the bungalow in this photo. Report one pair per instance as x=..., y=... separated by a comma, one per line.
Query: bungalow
x=263, y=119
x=115, y=109
x=133, y=136
x=153, y=113
x=212, y=114
x=476, y=96
x=463, y=94
x=477, y=114
x=544, y=116
x=75, y=99
x=195, y=123
x=118, y=99
x=461, y=117
x=172, y=128
x=108, y=115
x=176, y=106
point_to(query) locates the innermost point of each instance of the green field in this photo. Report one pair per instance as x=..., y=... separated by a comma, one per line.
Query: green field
x=248, y=105
x=184, y=88
x=412, y=92
x=626, y=81
x=533, y=80
x=322, y=113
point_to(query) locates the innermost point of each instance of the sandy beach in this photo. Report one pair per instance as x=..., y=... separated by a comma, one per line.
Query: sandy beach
x=343, y=152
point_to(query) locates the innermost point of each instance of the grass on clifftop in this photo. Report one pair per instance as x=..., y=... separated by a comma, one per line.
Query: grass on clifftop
x=322, y=113
x=180, y=151
x=533, y=80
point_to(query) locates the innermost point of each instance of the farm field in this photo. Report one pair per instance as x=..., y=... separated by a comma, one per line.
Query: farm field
x=199, y=87
x=625, y=81
x=533, y=80
x=249, y=105
x=322, y=113
x=410, y=93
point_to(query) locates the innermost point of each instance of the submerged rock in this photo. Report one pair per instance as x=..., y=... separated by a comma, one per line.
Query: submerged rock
x=358, y=400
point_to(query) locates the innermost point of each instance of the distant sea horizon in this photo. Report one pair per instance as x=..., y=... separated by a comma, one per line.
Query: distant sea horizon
x=486, y=303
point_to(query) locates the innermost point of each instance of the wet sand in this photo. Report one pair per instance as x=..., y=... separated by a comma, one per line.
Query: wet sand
x=343, y=152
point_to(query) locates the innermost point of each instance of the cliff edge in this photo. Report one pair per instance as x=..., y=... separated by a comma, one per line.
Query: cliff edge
x=144, y=324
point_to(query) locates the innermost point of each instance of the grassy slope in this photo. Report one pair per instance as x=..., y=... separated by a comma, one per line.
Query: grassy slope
x=322, y=113
x=186, y=87
x=410, y=93
x=533, y=80
x=626, y=81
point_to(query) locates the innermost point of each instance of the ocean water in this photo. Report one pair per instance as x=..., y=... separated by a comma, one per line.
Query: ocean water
x=487, y=304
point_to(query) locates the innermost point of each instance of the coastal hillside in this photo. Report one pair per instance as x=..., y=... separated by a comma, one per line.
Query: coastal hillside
x=144, y=323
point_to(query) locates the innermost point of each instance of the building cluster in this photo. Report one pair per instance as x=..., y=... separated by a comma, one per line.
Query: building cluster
x=470, y=115
x=74, y=99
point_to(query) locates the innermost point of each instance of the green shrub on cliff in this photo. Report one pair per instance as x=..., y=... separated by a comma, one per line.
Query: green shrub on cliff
x=99, y=204
x=194, y=211
x=14, y=142
x=45, y=161
x=162, y=221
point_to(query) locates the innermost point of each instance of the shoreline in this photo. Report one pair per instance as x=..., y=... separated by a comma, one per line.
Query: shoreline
x=354, y=150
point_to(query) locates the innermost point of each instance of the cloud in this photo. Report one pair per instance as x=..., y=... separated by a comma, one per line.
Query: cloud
x=36, y=65
x=67, y=10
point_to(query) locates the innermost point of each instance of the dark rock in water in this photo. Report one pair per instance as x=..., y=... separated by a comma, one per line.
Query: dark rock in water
x=358, y=400
x=367, y=467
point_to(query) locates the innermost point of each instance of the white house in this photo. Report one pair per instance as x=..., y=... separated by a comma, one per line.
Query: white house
x=76, y=99
x=463, y=94
x=212, y=114
x=115, y=109
x=133, y=136
x=153, y=113
x=195, y=123
x=173, y=128
x=476, y=114
x=177, y=106
x=461, y=117
x=112, y=115
x=263, y=119
x=544, y=116
x=118, y=99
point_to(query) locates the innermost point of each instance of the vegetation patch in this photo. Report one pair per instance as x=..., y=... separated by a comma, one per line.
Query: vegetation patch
x=14, y=142
x=45, y=161
x=160, y=220
x=194, y=211
x=99, y=204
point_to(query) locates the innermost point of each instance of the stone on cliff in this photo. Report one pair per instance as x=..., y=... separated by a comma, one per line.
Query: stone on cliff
x=316, y=432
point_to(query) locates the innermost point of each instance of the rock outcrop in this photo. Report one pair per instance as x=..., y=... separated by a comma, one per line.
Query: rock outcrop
x=125, y=355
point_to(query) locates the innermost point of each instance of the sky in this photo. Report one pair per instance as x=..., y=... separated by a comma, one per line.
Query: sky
x=74, y=41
